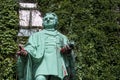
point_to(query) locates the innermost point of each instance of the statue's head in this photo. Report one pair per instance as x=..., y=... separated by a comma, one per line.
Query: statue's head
x=50, y=20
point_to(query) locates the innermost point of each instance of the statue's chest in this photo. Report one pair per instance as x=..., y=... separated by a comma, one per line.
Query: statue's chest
x=52, y=40
x=52, y=43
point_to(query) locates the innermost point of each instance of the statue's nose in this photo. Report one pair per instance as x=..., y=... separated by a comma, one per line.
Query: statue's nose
x=48, y=19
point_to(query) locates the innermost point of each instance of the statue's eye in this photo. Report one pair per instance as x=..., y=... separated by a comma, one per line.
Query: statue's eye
x=51, y=18
x=45, y=19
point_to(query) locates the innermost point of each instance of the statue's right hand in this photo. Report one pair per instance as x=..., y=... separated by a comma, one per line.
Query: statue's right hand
x=21, y=51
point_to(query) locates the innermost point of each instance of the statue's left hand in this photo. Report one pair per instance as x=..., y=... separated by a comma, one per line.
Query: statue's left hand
x=65, y=49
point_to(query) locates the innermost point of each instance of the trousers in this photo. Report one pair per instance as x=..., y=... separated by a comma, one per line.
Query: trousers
x=42, y=77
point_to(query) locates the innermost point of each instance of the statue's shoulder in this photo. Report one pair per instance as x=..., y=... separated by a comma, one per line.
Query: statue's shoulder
x=62, y=35
x=38, y=33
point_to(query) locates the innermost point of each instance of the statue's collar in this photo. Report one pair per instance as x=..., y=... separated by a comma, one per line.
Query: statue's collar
x=51, y=32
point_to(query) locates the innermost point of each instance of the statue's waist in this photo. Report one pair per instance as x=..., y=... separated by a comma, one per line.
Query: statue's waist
x=52, y=44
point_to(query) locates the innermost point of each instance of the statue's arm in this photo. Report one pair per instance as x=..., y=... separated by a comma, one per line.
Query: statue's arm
x=30, y=46
x=65, y=44
x=24, y=59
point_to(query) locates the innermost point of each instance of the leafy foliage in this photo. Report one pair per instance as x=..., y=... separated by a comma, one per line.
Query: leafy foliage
x=92, y=24
x=8, y=32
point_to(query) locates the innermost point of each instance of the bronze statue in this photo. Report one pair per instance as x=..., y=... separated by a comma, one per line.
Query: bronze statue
x=42, y=58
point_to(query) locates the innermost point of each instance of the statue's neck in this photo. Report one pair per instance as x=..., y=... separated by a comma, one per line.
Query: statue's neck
x=52, y=29
x=52, y=32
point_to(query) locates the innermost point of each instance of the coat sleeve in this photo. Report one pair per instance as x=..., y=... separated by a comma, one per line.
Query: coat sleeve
x=65, y=40
x=24, y=63
x=35, y=46
x=30, y=47
x=24, y=68
x=69, y=59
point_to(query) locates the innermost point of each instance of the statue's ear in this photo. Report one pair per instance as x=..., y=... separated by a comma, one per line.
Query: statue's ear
x=56, y=23
x=43, y=24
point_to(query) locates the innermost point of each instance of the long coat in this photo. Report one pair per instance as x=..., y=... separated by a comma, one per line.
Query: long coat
x=39, y=61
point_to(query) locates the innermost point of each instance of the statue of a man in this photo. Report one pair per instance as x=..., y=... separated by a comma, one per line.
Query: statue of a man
x=41, y=58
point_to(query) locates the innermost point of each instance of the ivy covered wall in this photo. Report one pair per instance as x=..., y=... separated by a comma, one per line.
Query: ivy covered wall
x=92, y=24
x=8, y=32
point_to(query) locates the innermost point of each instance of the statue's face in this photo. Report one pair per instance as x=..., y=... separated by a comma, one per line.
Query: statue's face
x=49, y=21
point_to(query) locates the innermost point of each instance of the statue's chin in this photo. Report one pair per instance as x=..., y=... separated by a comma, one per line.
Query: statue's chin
x=49, y=26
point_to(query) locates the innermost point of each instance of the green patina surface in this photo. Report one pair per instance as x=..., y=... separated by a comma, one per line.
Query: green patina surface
x=44, y=57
